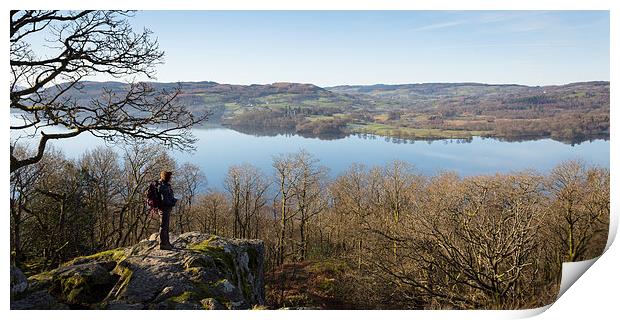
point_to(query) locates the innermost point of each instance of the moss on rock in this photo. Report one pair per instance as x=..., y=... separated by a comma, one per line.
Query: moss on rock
x=42, y=277
x=183, y=297
x=222, y=259
x=125, y=274
x=109, y=255
x=73, y=287
x=83, y=285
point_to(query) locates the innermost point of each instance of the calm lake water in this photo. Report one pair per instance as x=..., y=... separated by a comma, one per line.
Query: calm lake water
x=219, y=148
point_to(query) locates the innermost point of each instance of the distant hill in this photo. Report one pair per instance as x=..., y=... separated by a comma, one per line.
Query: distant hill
x=570, y=112
x=467, y=89
x=427, y=88
x=226, y=99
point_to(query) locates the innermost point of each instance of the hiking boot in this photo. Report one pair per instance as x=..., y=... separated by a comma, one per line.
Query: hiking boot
x=166, y=247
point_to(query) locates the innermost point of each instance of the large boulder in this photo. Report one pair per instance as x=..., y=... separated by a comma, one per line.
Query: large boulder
x=203, y=272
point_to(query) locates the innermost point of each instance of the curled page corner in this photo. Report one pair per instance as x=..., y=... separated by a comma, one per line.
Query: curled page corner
x=528, y=313
x=571, y=271
x=613, y=229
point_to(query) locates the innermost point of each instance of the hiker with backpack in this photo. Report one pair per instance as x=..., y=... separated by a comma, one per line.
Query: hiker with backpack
x=160, y=198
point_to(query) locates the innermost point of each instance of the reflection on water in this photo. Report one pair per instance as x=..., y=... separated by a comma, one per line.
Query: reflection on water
x=272, y=132
x=219, y=148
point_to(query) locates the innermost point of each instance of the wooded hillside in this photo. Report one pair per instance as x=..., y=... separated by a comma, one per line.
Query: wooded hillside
x=396, y=238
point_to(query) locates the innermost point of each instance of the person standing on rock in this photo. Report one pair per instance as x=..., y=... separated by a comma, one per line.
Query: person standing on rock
x=167, y=202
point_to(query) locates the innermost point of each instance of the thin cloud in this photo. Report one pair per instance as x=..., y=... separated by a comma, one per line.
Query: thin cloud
x=514, y=45
x=506, y=21
x=441, y=25
x=484, y=18
x=532, y=25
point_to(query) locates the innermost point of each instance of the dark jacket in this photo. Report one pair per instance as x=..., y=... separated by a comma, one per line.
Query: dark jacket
x=167, y=195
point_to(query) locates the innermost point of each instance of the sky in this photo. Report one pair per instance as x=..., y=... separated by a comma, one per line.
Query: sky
x=329, y=48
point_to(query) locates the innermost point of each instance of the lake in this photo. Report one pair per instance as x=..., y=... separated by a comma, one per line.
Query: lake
x=219, y=148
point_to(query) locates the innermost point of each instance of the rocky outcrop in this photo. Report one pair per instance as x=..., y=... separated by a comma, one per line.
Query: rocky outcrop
x=203, y=272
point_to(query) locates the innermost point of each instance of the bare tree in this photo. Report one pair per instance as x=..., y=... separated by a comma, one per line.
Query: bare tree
x=580, y=206
x=102, y=165
x=23, y=184
x=210, y=214
x=79, y=44
x=246, y=186
x=309, y=194
x=188, y=180
x=55, y=208
x=475, y=243
x=286, y=178
x=351, y=202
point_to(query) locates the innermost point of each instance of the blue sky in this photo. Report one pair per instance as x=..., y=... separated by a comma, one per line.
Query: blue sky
x=367, y=47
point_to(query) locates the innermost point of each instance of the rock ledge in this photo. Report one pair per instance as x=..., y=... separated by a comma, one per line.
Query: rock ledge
x=203, y=272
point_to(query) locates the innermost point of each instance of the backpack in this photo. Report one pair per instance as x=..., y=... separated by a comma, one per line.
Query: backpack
x=153, y=196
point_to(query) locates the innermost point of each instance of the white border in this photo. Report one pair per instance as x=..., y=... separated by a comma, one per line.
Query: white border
x=595, y=295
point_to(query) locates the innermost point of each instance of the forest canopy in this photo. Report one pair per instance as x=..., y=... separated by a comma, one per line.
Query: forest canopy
x=391, y=236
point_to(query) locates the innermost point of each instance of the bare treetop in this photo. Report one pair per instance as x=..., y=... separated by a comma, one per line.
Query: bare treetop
x=80, y=44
